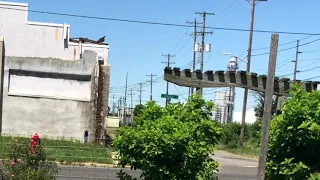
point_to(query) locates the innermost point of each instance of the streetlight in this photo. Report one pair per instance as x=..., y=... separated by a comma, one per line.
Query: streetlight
x=227, y=53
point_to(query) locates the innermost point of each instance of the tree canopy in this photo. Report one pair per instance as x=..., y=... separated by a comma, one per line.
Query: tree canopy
x=172, y=143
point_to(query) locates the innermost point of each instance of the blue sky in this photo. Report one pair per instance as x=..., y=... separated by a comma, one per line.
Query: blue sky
x=137, y=48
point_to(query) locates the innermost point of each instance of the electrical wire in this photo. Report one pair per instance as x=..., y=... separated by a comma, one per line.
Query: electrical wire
x=179, y=92
x=159, y=23
x=256, y=49
x=287, y=48
x=311, y=78
x=305, y=70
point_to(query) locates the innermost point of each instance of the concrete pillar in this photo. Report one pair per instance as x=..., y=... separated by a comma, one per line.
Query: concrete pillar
x=105, y=90
x=1, y=79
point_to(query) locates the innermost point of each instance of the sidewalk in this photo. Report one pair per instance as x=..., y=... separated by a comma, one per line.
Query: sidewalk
x=223, y=157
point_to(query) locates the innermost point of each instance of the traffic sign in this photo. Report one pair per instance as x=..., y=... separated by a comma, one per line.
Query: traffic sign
x=171, y=96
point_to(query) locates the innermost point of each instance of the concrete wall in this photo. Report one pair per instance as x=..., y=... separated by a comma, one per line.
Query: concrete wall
x=33, y=39
x=52, y=97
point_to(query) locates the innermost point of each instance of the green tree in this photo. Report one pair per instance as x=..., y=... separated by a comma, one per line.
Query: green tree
x=172, y=143
x=138, y=109
x=258, y=108
x=22, y=164
x=294, y=143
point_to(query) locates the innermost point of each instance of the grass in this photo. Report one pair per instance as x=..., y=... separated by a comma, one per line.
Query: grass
x=250, y=149
x=64, y=151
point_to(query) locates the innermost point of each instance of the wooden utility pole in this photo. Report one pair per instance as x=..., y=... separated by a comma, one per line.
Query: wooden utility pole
x=131, y=106
x=296, y=62
x=151, y=83
x=195, y=23
x=245, y=97
x=169, y=56
x=203, y=34
x=267, y=111
x=140, y=92
x=125, y=100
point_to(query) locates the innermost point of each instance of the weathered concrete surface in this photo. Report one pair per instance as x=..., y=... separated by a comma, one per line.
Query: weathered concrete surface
x=83, y=66
x=35, y=39
x=1, y=79
x=37, y=106
x=105, y=90
x=53, y=118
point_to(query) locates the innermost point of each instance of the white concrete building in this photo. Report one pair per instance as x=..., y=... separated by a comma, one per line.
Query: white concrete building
x=25, y=38
x=50, y=81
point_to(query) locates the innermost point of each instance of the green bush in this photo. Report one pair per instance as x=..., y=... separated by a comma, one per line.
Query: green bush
x=173, y=143
x=253, y=132
x=230, y=134
x=22, y=164
x=294, y=143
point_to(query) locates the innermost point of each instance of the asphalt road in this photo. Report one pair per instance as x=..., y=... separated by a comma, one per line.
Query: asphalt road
x=232, y=168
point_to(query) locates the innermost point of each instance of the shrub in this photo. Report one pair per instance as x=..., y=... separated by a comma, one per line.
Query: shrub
x=294, y=143
x=22, y=164
x=230, y=134
x=138, y=109
x=173, y=143
x=253, y=132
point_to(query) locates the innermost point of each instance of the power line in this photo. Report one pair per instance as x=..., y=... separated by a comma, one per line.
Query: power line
x=155, y=81
x=283, y=43
x=159, y=23
x=311, y=78
x=302, y=71
x=294, y=47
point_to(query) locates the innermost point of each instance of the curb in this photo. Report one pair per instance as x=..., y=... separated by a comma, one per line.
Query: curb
x=91, y=165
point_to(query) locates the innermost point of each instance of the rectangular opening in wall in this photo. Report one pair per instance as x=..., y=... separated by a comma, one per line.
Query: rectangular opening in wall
x=49, y=85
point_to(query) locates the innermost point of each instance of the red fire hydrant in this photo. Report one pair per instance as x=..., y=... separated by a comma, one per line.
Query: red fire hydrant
x=34, y=142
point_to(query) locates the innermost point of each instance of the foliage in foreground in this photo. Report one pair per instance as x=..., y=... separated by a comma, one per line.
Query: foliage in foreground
x=63, y=150
x=22, y=164
x=294, y=143
x=138, y=109
x=173, y=143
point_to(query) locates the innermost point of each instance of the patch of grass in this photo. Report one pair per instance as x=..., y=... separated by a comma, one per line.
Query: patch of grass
x=249, y=150
x=64, y=151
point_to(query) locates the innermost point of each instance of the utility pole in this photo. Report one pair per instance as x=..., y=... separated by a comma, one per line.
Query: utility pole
x=125, y=99
x=296, y=62
x=140, y=92
x=131, y=105
x=131, y=97
x=203, y=34
x=120, y=110
x=268, y=107
x=195, y=23
x=169, y=56
x=245, y=98
x=113, y=106
x=151, y=82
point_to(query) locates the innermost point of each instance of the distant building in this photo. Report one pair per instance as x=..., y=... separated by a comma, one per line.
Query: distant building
x=51, y=84
x=220, y=101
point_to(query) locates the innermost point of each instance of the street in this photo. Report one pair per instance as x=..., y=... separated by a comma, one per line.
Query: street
x=232, y=168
